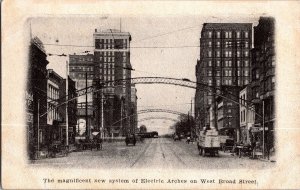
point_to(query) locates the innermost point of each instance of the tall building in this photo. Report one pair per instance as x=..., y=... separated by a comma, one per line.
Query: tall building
x=81, y=70
x=36, y=97
x=263, y=79
x=112, y=62
x=224, y=62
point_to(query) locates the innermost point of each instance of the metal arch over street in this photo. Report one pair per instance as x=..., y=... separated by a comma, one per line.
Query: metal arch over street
x=150, y=111
x=157, y=118
x=147, y=80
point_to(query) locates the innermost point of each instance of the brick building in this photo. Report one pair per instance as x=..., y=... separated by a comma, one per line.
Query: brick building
x=36, y=97
x=263, y=78
x=112, y=62
x=224, y=61
x=81, y=70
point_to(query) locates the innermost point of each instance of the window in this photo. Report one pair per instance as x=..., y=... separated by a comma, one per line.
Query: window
x=209, y=63
x=246, y=82
x=229, y=73
x=209, y=44
x=218, y=82
x=209, y=34
x=218, y=63
x=246, y=44
x=209, y=53
x=229, y=34
x=218, y=73
x=238, y=63
x=246, y=63
x=238, y=53
x=246, y=53
x=226, y=34
x=246, y=34
x=209, y=73
x=218, y=34
x=229, y=64
x=229, y=110
x=226, y=73
x=218, y=44
x=238, y=73
x=218, y=54
x=209, y=82
x=226, y=44
x=229, y=82
x=238, y=34
x=246, y=73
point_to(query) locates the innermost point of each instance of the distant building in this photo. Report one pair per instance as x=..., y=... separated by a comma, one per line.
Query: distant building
x=112, y=62
x=72, y=110
x=263, y=78
x=228, y=112
x=81, y=70
x=36, y=97
x=246, y=115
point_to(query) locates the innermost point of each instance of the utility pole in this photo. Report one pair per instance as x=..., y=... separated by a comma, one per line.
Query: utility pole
x=263, y=125
x=86, y=109
x=38, y=129
x=102, y=115
x=213, y=104
x=67, y=97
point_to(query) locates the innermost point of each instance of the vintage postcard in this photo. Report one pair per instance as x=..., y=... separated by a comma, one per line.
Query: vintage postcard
x=150, y=95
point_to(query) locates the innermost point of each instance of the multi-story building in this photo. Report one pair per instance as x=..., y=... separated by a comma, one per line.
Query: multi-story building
x=112, y=63
x=72, y=110
x=224, y=61
x=246, y=115
x=263, y=79
x=36, y=97
x=228, y=112
x=54, y=82
x=81, y=70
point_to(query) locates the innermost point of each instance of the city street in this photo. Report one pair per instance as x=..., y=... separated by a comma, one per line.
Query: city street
x=152, y=153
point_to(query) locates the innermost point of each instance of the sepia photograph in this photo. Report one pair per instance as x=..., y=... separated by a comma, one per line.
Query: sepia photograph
x=161, y=95
x=152, y=92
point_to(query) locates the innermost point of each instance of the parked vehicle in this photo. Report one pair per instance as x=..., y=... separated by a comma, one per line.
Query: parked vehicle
x=130, y=139
x=176, y=137
x=209, y=142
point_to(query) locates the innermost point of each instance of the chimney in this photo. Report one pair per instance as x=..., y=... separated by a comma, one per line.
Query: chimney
x=95, y=29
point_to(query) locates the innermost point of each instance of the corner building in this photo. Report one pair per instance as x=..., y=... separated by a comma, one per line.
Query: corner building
x=112, y=62
x=224, y=64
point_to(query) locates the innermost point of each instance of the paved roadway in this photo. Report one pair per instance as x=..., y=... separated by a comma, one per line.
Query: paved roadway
x=152, y=153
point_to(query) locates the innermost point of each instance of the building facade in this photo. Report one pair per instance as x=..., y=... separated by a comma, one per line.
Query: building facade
x=224, y=62
x=72, y=110
x=54, y=117
x=36, y=98
x=263, y=79
x=133, y=111
x=81, y=70
x=112, y=63
x=246, y=115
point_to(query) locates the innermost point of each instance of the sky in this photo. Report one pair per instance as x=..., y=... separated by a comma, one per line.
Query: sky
x=146, y=32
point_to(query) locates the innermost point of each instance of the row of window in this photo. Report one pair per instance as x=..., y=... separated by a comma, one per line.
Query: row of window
x=228, y=73
x=81, y=59
x=53, y=92
x=107, y=71
x=228, y=53
x=110, y=59
x=228, y=63
x=73, y=68
x=228, y=82
x=111, y=53
x=228, y=34
x=111, y=44
x=237, y=44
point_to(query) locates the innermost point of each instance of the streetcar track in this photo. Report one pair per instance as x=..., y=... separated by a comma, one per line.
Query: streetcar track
x=140, y=156
x=178, y=158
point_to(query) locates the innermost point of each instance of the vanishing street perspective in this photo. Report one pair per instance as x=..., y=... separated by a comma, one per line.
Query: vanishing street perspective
x=186, y=93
